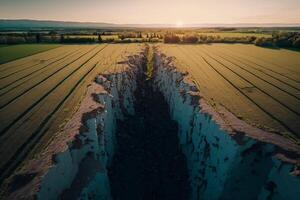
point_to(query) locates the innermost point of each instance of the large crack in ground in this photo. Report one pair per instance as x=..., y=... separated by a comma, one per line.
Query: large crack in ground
x=169, y=145
x=148, y=163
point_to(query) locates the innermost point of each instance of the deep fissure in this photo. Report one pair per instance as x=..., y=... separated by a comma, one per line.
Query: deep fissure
x=145, y=132
x=148, y=162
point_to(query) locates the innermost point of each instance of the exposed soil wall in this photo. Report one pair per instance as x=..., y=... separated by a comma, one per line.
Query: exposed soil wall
x=148, y=163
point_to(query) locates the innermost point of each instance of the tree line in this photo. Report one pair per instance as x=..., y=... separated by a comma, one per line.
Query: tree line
x=46, y=38
x=281, y=40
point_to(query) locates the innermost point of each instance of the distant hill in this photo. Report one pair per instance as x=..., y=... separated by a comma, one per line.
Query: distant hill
x=19, y=24
x=25, y=23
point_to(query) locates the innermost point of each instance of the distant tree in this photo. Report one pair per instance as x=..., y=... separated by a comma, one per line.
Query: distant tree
x=296, y=43
x=283, y=42
x=121, y=36
x=38, y=38
x=62, y=38
x=79, y=40
x=15, y=40
x=203, y=38
x=171, y=38
x=285, y=39
x=99, y=38
x=52, y=32
x=251, y=39
x=263, y=42
x=3, y=39
x=53, y=35
x=25, y=37
x=140, y=35
x=190, y=39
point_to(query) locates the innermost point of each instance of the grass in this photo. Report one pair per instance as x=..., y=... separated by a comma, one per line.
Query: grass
x=224, y=35
x=10, y=53
x=149, y=70
x=82, y=36
x=109, y=37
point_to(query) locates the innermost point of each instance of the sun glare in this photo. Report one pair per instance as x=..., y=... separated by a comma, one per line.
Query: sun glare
x=179, y=23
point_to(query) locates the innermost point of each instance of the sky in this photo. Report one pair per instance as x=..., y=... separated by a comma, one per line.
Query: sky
x=178, y=12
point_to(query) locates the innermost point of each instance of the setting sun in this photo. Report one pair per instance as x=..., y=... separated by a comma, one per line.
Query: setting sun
x=179, y=23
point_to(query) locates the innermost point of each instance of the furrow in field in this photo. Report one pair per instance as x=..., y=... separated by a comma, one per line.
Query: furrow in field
x=290, y=72
x=20, y=76
x=104, y=59
x=211, y=85
x=292, y=91
x=277, y=79
x=277, y=58
x=270, y=105
x=32, y=59
x=23, y=105
x=243, y=104
x=41, y=60
x=279, y=73
x=280, y=96
x=15, y=94
x=24, y=68
x=267, y=106
x=51, y=98
x=39, y=74
x=16, y=157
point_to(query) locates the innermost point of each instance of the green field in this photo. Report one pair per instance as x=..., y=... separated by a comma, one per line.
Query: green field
x=9, y=53
x=233, y=34
x=83, y=36
x=227, y=34
x=104, y=37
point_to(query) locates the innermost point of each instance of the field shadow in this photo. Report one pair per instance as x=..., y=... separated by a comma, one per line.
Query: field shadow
x=282, y=48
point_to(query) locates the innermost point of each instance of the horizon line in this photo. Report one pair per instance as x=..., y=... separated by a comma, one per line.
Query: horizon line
x=184, y=25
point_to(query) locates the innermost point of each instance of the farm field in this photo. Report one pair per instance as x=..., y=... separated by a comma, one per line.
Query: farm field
x=232, y=34
x=9, y=53
x=40, y=93
x=43, y=96
x=258, y=85
x=83, y=36
x=95, y=37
